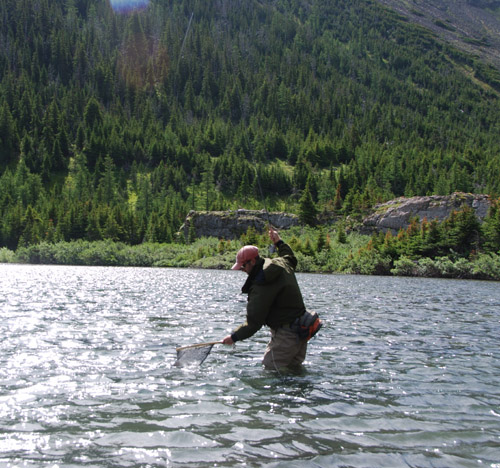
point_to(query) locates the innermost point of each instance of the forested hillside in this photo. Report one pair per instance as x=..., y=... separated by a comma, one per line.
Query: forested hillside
x=114, y=126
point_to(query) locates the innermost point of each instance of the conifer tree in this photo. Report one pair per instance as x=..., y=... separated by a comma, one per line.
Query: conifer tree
x=463, y=231
x=32, y=228
x=337, y=202
x=107, y=190
x=8, y=135
x=191, y=233
x=321, y=239
x=301, y=173
x=307, y=208
x=341, y=234
x=111, y=229
x=491, y=228
x=93, y=230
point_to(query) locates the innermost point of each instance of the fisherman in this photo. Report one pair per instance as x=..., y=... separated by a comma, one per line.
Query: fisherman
x=274, y=299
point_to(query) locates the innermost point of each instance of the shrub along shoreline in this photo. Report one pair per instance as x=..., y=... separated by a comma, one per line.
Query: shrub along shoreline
x=318, y=251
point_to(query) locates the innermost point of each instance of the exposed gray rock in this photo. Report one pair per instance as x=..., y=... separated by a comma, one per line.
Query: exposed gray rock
x=232, y=224
x=398, y=213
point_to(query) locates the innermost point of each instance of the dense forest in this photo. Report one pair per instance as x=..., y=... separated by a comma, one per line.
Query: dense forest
x=114, y=125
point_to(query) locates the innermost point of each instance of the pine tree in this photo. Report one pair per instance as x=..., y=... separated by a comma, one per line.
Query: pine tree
x=32, y=228
x=341, y=234
x=321, y=239
x=462, y=231
x=191, y=233
x=8, y=135
x=300, y=173
x=491, y=228
x=107, y=189
x=92, y=115
x=337, y=202
x=307, y=208
x=433, y=240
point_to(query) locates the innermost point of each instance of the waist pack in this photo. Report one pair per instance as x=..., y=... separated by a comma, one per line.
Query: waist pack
x=307, y=325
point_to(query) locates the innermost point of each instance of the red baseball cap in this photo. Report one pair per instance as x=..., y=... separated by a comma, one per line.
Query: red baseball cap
x=249, y=252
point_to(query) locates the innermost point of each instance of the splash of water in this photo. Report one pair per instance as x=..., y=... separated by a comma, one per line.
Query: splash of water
x=126, y=6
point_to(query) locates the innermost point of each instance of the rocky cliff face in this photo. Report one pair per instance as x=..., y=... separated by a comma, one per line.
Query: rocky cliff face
x=392, y=215
x=232, y=224
x=397, y=214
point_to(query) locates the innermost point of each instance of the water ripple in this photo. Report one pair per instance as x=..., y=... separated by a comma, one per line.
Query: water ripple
x=404, y=373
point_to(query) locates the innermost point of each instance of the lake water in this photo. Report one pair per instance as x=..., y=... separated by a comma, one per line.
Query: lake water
x=405, y=373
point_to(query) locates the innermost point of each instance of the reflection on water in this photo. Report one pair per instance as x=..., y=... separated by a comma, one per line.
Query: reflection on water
x=404, y=373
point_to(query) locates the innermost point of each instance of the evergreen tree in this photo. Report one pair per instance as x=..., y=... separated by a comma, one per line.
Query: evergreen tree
x=8, y=135
x=107, y=189
x=321, y=239
x=433, y=240
x=191, y=233
x=307, y=208
x=463, y=231
x=32, y=228
x=341, y=234
x=301, y=173
x=337, y=202
x=491, y=228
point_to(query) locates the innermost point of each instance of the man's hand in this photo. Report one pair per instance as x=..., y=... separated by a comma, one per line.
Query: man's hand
x=275, y=237
x=228, y=340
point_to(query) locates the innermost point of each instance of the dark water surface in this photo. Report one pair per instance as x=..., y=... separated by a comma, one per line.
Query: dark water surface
x=406, y=372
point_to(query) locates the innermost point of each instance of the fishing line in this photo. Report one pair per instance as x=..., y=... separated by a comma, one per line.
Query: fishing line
x=177, y=74
x=184, y=40
x=181, y=56
x=249, y=144
x=252, y=155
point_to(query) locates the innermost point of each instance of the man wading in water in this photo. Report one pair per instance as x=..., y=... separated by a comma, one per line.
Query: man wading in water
x=275, y=300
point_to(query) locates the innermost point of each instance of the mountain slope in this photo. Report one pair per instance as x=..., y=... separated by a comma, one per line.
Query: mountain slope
x=114, y=126
x=470, y=25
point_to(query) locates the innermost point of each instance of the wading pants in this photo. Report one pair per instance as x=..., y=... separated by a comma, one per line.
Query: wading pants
x=284, y=350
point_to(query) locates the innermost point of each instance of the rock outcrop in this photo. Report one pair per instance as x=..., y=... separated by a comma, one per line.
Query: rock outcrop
x=392, y=215
x=398, y=213
x=232, y=224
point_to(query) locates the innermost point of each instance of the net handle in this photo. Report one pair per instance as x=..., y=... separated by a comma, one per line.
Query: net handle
x=199, y=345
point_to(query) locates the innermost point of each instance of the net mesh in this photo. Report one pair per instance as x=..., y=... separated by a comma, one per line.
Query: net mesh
x=193, y=355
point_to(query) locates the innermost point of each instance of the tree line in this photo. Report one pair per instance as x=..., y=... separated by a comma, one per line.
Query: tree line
x=461, y=247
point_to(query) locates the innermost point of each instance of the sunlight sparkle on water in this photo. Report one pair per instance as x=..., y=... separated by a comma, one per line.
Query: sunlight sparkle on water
x=124, y=6
x=87, y=370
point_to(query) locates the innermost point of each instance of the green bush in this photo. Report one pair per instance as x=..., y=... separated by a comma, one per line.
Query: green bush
x=427, y=267
x=368, y=262
x=105, y=253
x=305, y=263
x=445, y=267
x=486, y=266
x=405, y=266
x=367, y=258
x=6, y=255
x=216, y=262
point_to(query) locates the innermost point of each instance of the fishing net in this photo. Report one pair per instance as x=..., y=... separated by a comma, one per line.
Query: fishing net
x=193, y=355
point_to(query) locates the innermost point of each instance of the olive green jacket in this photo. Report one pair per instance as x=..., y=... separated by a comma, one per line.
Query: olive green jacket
x=274, y=296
